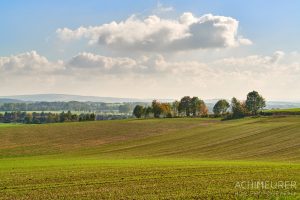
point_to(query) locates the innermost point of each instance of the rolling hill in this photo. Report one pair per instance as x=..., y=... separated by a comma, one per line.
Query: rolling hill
x=269, y=138
x=150, y=159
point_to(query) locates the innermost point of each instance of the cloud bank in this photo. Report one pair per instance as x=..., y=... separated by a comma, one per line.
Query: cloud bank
x=87, y=73
x=153, y=33
x=32, y=62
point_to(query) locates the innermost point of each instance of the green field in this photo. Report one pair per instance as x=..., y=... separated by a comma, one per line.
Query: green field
x=151, y=159
x=8, y=124
x=288, y=111
x=284, y=110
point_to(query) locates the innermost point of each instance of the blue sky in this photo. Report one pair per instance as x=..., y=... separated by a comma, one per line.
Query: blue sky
x=27, y=24
x=271, y=26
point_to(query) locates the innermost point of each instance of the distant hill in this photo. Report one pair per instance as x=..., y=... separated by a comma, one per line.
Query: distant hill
x=6, y=100
x=282, y=105
x=67, y=97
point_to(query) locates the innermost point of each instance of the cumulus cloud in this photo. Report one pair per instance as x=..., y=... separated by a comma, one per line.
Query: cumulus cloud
x=28, y=62
x=89, y=61
x=156, y=34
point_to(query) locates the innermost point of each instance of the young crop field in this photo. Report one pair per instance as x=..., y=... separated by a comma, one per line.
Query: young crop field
x=289, y=111
x=184, y=158
x=284, y=110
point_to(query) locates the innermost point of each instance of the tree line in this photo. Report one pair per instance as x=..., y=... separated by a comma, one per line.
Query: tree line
x=186, y=107
x=42, y=117
x=195, y=107
x=71, y=105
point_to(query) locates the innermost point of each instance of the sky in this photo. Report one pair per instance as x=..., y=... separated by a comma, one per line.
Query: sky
x=151, y=49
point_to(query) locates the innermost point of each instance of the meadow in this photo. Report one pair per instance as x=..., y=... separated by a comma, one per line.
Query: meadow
x=181, y=158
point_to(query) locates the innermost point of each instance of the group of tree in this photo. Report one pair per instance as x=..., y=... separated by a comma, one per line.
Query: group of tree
x=187, y=106
x=43, y=117
x=251, y=107
x=195, y=107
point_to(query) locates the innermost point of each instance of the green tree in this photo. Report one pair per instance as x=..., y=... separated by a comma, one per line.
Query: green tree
x=238, y=108
x=1, y=118
x=185, y=105
x=221, y=107
x=92, y=117
x=69, y=116
x=138, y=111
x=255, y=102
x=197, y=107
x=148, y=111
x=62, y=117
x=175, y=108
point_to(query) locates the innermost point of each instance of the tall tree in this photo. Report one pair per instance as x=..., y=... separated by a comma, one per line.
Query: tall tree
x=185, y=105
x=238, y=108
x=221, y=107
x=166, y=109
x=195, y=106
x=148, y=111
x=255, y=102
x=203, y=110
x=138, y=111
x=175, y=108
x=156, y=108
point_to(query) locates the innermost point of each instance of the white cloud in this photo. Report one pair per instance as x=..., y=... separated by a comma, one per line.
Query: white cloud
x=152, y=76
x=160, y=8
x=32, y=62
x=156, y=34
x=89, y=60
x=28, y=62
x=244, y=41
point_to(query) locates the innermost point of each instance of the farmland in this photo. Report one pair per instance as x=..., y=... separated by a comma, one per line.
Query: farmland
x=289, y=111
x=184, y=158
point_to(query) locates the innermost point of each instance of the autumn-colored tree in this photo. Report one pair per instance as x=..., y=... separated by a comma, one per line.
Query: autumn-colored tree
x=156, y=108
x=198, y=107
x=238, y=108
x=166, y=109
x=203, y=110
